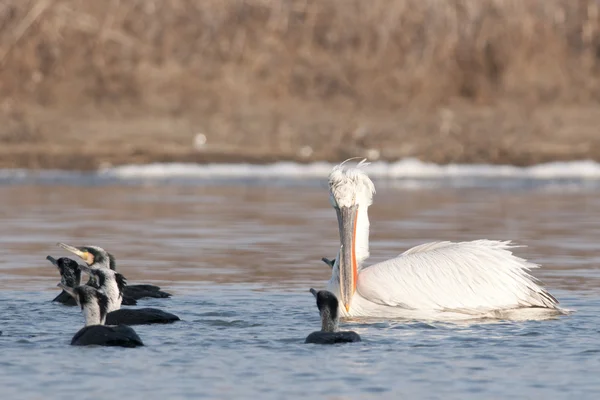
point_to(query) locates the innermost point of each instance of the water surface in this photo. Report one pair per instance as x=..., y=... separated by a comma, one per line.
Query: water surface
x=239, y=259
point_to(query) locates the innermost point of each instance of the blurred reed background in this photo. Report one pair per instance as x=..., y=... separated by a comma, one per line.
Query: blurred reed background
x=91, y=83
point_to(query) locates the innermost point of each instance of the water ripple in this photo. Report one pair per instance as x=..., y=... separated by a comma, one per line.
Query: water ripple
x=239, y=260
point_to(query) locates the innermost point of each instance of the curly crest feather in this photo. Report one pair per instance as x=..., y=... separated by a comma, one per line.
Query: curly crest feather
x=350, y=185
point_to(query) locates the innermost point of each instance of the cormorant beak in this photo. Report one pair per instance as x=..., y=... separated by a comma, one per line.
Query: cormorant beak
x=89, y=271
x=52, y=260
x=86, y=269
x=67, y=289
x=314, y=292
x=347, y=217
x=328, y=261
x=84, y=255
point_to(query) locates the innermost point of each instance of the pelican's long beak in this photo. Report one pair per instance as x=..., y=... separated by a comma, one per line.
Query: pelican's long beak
x=347, y=263
x=67, y=289
x=84, y=255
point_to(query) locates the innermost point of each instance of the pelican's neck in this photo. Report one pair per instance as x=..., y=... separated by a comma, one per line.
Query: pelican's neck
x=361, y=246
x=361, y=251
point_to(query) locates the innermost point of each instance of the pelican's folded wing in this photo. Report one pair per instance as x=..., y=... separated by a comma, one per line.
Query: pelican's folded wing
x=477, y=276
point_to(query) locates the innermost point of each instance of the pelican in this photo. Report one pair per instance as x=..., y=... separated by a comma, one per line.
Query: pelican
x=439, y=280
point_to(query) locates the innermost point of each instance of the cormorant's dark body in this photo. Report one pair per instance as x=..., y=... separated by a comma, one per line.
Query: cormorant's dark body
x=332, y=337
x=105, y=335
x=140, y=316
x=136, y=292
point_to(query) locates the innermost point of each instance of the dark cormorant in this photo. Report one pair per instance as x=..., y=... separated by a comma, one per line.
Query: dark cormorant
x=328, y=309
x=94, y=304
x=97, y=257
x=70, y=276
x=113, y=285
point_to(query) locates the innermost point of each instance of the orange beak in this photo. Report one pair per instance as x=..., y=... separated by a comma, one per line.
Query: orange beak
x=84, y=255
x=347, y=217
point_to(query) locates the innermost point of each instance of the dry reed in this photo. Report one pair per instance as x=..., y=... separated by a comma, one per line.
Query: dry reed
x=253, y=71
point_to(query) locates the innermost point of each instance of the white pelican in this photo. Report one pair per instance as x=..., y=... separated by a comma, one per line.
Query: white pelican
x=439, y=280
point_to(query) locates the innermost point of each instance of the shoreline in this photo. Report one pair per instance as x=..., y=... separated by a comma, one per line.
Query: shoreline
x=77, y=162
x=48, y=138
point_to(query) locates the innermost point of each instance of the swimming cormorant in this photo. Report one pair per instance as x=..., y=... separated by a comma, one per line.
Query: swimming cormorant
x=113, y=285
x=94, y=304
x=70, y=276
x=328, y=309
x=97, y=257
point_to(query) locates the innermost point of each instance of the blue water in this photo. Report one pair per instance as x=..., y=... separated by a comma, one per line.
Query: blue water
x=239, y=260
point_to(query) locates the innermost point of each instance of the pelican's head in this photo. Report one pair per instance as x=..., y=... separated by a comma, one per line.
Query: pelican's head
x=350, y=190
x=350, y=186
x=93, y=256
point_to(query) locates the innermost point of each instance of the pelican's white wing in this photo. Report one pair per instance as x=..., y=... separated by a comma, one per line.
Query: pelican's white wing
x=477, y=276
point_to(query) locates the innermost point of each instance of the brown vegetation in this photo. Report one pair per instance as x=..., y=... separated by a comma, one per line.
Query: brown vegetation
x=86, y=82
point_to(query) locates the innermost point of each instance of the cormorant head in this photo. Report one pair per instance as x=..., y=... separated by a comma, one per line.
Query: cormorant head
x=70, y=273
x=328, y=309
x=93, y=256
